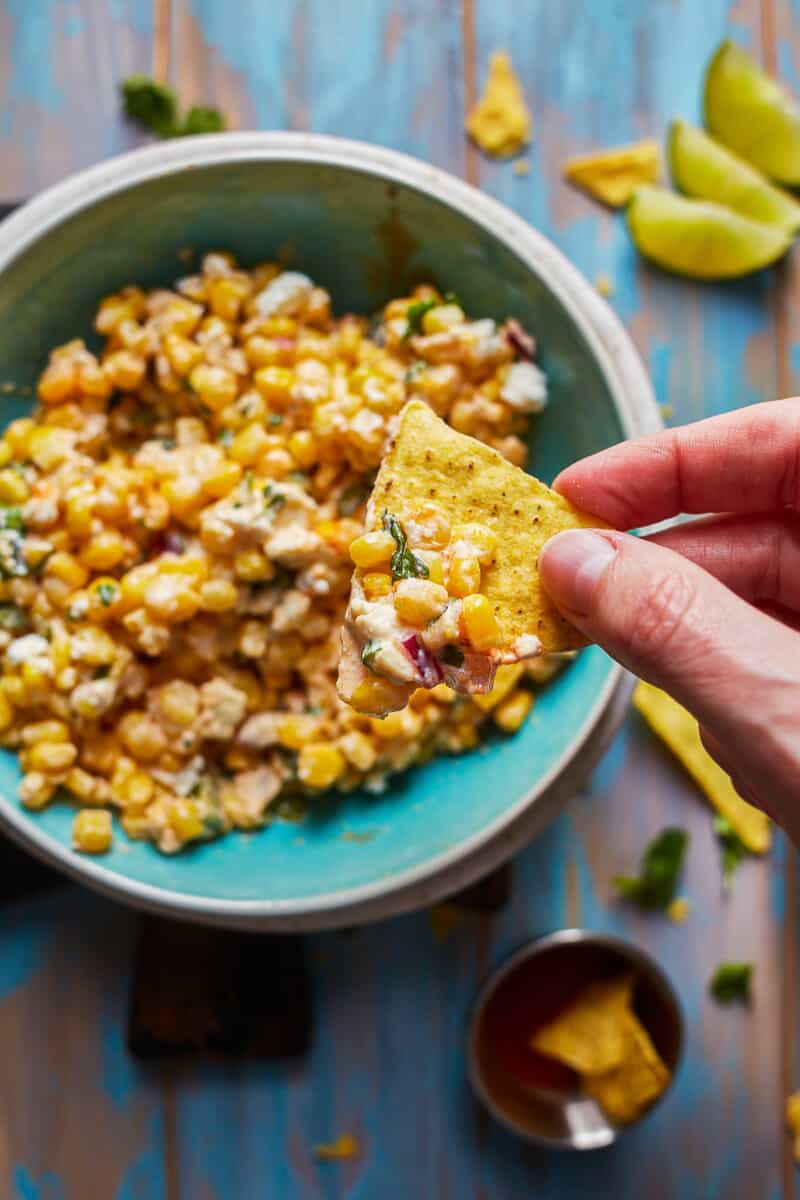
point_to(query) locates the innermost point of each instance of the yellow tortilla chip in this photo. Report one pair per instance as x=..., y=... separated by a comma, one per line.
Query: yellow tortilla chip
x=500, y=122
x=590, y=1035
x=678, y=729
x=343, y=1148
x=636, y=1081
x=506, y=677
x=613, y=175
x=679, y=909
x=793, y=1120
x=428, y=462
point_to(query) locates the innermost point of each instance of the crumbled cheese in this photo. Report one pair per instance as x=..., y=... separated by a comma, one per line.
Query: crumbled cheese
x=283, y=295
x=525, y=388
x=31, y=645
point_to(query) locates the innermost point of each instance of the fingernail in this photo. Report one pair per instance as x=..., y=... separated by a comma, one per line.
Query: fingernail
x=571, y=563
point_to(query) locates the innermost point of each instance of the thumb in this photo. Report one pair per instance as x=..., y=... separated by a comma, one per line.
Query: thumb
x=671, y=623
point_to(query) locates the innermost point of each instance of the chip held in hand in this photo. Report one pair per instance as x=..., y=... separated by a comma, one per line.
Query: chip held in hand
x=446, y=584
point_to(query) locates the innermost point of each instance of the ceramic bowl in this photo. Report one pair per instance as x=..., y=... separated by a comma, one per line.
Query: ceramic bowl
x=568, y=1120
x=365, y=223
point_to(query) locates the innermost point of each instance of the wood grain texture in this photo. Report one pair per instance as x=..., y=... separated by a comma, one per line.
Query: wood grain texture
x=386, y=1062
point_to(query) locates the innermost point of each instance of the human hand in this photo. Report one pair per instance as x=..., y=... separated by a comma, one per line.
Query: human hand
x=708, y=610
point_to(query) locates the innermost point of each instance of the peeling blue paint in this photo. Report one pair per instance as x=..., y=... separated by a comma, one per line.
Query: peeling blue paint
x=144, y=1179
x=32, y=53
x=47, y=1187
x=22, y=947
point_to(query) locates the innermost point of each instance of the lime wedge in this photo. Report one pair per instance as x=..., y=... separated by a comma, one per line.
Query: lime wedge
x=753, y=114
x=706, y=170
x=701, y=239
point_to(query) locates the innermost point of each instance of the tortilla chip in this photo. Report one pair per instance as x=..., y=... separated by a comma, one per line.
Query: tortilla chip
x=343, y=1148
x=793, y=1120
x=500, y=122
x=614, y=175
x=678, y=729
x=590, y=1035
x=430, y=462
x=627, y=1089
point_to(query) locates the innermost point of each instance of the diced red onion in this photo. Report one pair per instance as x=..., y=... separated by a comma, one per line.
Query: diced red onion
x=429, y=670
x=475, y=676
x=521, y=341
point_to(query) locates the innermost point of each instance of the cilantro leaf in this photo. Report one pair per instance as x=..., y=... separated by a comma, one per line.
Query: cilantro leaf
x=11, y=518
x=368, y=654
x=415, y=313
x=405, y=563
x=732, y=848
x=451, y=656
x=201, y=119
x=731, y=981
x=660, y=868
x=107, y=593
x=414, y=370
x=151, y=105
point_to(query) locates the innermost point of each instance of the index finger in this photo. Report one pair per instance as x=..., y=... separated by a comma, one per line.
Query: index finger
x=745, y=461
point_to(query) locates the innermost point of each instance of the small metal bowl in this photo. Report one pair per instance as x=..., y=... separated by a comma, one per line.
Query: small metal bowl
x=569, y=1120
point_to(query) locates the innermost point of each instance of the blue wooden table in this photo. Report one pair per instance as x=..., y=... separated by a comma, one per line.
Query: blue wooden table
x=79, y=1119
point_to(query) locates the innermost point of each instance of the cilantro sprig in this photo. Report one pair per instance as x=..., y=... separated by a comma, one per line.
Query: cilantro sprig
x=731, y=981
x=154, y=106
x=659, y=871
x=405, y=564
x=732, y=849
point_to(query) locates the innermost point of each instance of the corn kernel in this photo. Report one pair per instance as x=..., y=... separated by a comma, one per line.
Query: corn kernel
x=52, y=757
x=171, y=599
x=48, y=446
x=216, y=386
x=13, y=689
x=249, y=445
x=225, y=297
x=79, y=513
x=183, y=494
x=372, y=549
x=66, y=567
x=91, y=644
x=374, y=696
x=17, y=436
x=104, y=550
x=222, y=478
x=92, y=831
x=35, y=789
x=5, y=453
x=512, y=711
x=58, y=381
x=418, y=601
x=303, y=448
x=480, y=623
x=463, y=576
x=275, y=384
x=252, y=566
x=319, y=764
x=6, y=712
x=125, y=370
x=376, y=584
x=182, y=353
x=218, y=595
x=358, y=750
x=442, y=318
x=185, y=821
x=297, y=729
x=142, y=736
x=130, y=786
x=45, y=731
x=477, y=542
x=13, y=488
x=179, y=702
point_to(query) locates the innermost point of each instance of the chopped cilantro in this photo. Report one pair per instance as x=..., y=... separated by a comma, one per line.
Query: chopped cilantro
x=275, y=419
x=155, y=107
x=731, y=981
x=659, y=871
x=415, y=313
x=299, y=476
x=405, y=563
x=275, y=500
x=13, y=619
x=368, y=654
x=201, y=119
x=225, y=436
x=452, y=298
x=451, y=656
x=106, y=592
x=150, y=104
x=168, y=443
x=414, y=370
x=248, y=479
x=103, y=671
x=732, y=848
x=11, y=518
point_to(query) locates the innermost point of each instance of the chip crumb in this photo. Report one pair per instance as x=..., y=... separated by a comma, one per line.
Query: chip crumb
x=793, y=1121
x=351, y=835
x=679, y=909
x=604, y=285
x=522, y=167
x=612, y=176
x=499, y=121
x=343, y=1148
x=443, y=919
x=8, y=387
x=667, y=411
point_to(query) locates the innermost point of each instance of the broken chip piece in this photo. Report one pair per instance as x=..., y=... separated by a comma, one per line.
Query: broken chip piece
x=624, y=1091
x=500, y=122
x=678, y=729
x=446, y=586
x=793, y=1121
x=589, y=1035
x=612, y=176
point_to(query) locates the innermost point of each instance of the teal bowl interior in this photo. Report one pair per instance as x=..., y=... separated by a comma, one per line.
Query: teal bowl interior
x=365, y=239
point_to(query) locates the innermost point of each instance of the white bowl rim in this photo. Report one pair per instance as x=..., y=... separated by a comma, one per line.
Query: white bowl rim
x=638, y=412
